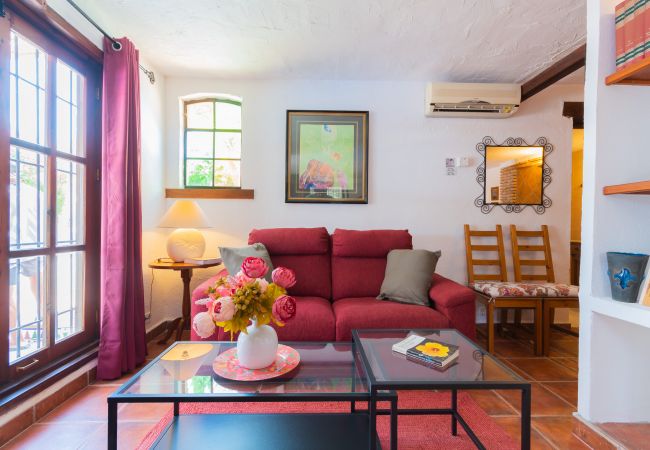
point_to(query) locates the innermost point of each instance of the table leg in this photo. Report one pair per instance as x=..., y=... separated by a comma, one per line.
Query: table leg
x=490, y=325
x=393, y=423
x=186, y=275
x=525, y=418
x=175, y=408
x=372, y=416
x=454, y=408
x=547, y=321
x=539, y=324
x=112, y=425
x=171, y=328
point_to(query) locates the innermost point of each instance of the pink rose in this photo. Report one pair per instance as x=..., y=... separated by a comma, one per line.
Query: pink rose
x=284, y=308
x=284, y=277
x=222, y=309
x=203, y=325
x=263, y=284
x=242, y=278
x=254, y=267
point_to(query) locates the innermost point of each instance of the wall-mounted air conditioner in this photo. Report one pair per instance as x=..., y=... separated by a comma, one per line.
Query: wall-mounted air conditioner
x=487, y=100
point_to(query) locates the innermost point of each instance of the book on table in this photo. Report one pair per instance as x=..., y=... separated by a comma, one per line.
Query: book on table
x=427, y=351
x=202, y=261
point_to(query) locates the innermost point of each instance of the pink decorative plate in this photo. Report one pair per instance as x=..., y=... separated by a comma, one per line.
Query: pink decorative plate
x=226, y=365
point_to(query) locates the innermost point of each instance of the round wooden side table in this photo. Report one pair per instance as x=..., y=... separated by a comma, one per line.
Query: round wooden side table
x=183, y=322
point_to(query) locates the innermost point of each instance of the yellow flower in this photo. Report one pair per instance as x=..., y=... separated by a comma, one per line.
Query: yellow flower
x=434, y=349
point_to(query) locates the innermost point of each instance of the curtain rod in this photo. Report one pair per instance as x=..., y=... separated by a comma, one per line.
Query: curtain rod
x=117, y=46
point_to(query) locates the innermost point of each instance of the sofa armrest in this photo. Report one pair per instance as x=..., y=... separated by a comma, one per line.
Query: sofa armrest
x=456, y=302
x=201, y=291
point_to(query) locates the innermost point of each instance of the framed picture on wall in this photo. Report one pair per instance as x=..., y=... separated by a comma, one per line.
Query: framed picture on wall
x=327, y=157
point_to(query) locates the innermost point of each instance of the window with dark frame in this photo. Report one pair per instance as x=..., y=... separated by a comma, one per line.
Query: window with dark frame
x=51, y=151
x=212, y=143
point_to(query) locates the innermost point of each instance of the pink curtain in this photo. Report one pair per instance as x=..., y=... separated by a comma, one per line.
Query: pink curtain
x=122, y=343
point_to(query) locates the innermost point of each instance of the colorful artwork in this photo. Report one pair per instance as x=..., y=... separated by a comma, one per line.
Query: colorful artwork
x=327, y=157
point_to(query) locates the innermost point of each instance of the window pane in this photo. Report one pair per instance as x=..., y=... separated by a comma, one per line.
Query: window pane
x=30, y=62
x=226, y=173
x=199, y=144
x=69, y=294
x=27, y=199
x=63, y=126
x=69, y=123
x=63, y=81
x=228, y=116
x=27, y=89
x=27, y=295
x=69, y=202
x=199, y=115
x=29, y=113
x=227, y=145
x=198, y=172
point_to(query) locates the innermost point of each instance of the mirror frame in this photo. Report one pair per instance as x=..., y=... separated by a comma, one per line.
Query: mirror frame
x=488, y=141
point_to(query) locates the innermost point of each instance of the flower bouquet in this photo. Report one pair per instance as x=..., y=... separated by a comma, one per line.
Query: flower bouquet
x=236, y=301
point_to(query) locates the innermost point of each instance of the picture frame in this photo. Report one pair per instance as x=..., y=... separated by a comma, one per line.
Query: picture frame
x=327, y=157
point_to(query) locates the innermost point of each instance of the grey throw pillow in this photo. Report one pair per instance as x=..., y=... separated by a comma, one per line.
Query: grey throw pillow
x=408, y=276
x=233, y=257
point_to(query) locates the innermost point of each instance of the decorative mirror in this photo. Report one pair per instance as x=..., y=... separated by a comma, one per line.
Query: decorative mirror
x=513, y=175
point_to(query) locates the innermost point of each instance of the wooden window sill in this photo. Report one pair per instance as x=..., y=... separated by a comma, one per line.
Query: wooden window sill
x=218, y=193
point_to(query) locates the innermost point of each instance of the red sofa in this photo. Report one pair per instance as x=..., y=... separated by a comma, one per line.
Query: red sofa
x=339, y=278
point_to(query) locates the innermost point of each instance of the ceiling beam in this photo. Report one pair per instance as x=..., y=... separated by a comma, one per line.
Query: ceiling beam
x=558, y=70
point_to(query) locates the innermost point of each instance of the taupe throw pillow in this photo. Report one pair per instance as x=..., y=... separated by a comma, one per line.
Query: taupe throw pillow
x=233, y=257
x=408, y=276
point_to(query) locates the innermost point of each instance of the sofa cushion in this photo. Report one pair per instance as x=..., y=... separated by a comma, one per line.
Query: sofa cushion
x=293, y=241
x=233, y=257
x=359, y=260
x=524, y=289
x=369, y=313
x=408, y=276
x=314, y=321
x=369, y=243
x=306, y=251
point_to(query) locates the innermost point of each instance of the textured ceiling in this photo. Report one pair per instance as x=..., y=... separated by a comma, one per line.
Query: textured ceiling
x=442, y=40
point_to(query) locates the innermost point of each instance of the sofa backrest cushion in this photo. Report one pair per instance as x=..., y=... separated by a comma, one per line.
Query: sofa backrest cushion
x=359, y=260
x=306, y=251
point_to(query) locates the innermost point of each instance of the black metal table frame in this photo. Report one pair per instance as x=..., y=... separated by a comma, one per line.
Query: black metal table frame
x=376, y=386
x=116, y=398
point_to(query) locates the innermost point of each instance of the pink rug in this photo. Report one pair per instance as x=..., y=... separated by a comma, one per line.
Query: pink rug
x=414, y=432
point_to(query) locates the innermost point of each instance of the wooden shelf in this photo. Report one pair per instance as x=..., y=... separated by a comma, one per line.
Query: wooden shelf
x=218, y=193
x=638, y=188
x=636, y=74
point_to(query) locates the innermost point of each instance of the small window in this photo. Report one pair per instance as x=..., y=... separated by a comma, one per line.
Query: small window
x=211, y=143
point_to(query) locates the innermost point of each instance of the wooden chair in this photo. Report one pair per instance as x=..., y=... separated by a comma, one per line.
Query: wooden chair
x=554, y=295
x=493, y=289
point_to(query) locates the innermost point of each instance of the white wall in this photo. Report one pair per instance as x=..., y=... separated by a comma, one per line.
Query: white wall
x=612, y=385
x=408, y=185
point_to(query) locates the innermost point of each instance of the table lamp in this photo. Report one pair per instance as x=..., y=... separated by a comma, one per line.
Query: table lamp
x=186, y=241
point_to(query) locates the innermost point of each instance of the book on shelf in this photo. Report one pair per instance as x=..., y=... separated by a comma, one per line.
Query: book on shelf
x=427, y=351
x=632, y=31
x=202, y=261
x=644, y=290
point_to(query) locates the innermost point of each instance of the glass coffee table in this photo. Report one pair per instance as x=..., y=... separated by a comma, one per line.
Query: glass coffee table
x=327, y=372
x=474, y=369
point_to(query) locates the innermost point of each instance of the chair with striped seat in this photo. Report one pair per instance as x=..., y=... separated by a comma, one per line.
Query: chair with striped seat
x=492, y=287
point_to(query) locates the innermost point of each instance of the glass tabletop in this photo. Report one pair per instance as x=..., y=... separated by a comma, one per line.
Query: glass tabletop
x=390, y=369
x=325, y=369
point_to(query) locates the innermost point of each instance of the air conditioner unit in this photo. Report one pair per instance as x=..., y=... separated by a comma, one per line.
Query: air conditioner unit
x=487, y=100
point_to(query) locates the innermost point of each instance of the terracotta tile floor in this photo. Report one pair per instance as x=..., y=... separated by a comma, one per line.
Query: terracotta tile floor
x=80, y=422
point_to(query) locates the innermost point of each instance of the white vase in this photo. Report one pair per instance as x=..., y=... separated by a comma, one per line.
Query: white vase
x=258, y=348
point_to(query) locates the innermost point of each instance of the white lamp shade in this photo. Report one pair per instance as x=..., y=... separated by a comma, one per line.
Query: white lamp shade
x=184, y=214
